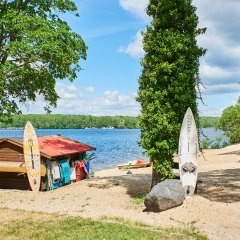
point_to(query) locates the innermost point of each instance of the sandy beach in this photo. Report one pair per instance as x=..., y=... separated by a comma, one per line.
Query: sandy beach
x=215, y=210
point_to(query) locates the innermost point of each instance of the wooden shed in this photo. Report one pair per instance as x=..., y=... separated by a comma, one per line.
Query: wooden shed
x=12, y=167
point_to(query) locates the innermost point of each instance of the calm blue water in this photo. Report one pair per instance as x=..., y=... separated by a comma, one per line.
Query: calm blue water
x=114, y=146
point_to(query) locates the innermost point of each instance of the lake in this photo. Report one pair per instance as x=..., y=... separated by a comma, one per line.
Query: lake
x=114, y=146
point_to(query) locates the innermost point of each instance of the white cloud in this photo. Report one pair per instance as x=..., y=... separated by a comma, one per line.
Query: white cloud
x=209, y=110
x=219, y=70
x=221, y=101
x=72, y=91
x=68, y=91
x=111, y=96
x=112, y=103
x=89, y=89
x=74, y=100
x=220, y=50
x=137, y=7
x=221, y=64
x=212, y=75
x=221, y=89
x=135, y=48
x=220, y=67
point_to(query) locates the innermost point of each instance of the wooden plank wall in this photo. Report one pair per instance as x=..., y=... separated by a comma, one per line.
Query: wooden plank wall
x=18, y=181
x=14, y=181
x=11, y=152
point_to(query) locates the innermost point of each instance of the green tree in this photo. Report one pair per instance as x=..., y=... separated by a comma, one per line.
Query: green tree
x=36, y=48
x=71, y=121
x=230, y=122
x=170, y=77
x=208, y=122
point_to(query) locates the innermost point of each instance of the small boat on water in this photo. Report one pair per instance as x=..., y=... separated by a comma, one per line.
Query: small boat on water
x=134, y=164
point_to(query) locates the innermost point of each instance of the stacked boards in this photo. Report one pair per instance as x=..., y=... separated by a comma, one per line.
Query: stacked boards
x=32, y=157
x=58, y=174
x=187, y=153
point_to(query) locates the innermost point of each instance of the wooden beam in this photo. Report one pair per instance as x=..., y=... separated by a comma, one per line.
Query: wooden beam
x=18, y=167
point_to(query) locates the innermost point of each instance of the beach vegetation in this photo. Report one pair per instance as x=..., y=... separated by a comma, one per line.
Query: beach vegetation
x=208, y=122
x=39, y=226
x=170, y=81
x=37, y=47
x=139, y=199
x=206, y=143
x=230, y=122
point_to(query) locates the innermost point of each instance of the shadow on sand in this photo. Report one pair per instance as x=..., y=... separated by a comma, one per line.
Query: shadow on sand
x=230, y=153
x=217, y=185
x=135, y=184
x=220, y=185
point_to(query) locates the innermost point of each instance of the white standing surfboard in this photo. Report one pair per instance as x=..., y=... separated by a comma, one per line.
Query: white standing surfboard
x=187, y=153
x=32, y=157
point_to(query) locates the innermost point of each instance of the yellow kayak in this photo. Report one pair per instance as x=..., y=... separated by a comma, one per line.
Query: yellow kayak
x=134, y=164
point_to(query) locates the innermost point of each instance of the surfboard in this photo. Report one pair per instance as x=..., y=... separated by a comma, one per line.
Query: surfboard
x=32, y=157
x=187, y=153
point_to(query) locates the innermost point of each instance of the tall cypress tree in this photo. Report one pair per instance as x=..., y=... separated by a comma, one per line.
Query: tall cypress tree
x=170, y=80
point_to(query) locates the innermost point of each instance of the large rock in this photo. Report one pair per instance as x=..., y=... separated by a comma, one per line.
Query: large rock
x=165, y=195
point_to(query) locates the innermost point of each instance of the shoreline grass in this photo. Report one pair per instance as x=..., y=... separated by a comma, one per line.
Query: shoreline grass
x=41, y=226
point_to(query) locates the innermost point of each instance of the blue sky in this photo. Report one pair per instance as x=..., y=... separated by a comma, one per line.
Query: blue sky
x=108, y=83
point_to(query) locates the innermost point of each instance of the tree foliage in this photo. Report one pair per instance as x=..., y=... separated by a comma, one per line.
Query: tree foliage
x=36, y=48
x=60, y=121
x=230, y=122
x=170, y=79
x=208, y=122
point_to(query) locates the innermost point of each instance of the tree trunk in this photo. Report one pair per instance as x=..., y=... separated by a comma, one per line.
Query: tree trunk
x=156, y=178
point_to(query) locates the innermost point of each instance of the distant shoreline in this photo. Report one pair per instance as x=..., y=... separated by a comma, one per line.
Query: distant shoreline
x=88, y=128
x=61, y=121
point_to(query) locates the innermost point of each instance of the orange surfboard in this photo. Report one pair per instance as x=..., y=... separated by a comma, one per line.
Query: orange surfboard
x=32, y=157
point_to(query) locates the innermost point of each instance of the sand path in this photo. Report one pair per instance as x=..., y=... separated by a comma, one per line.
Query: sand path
x=215, y=210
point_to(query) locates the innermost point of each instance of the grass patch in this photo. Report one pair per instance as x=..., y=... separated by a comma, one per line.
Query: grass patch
x=124, y=221
x=138, y=199
x=49, y=227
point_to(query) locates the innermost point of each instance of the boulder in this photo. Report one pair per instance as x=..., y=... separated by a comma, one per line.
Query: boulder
x=165, y=195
